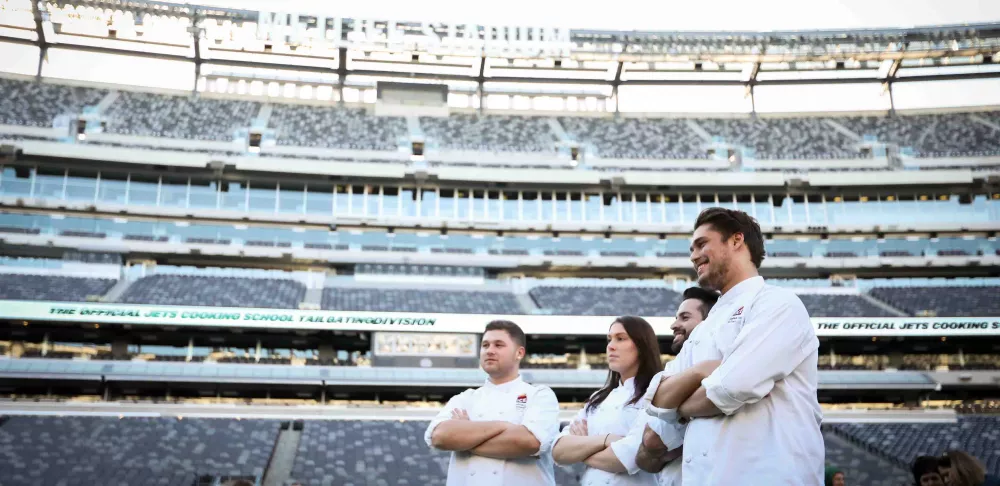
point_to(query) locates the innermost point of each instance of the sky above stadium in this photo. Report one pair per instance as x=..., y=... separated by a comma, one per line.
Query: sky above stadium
x=655, y=15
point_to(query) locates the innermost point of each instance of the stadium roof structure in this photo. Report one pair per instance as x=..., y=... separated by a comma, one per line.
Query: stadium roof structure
x=436, y=52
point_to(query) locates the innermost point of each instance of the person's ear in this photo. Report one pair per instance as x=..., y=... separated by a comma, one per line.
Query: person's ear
x=520, y=353
x=738, y=240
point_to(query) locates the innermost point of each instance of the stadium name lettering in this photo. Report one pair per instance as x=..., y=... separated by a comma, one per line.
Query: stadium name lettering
x=166, y=316
x=390, y=321
x=294, y=28
x=112, y=313
x=909, y=326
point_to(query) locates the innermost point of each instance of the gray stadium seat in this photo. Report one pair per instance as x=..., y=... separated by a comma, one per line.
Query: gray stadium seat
x=412, y=300
x=493, y=133
x=45, y=287
x=606, y=301
x=334, y=127
x=192, y=118
x=942, y=301
x=823, y=305
x=861, y=467
x=637, y=138
x=70, y=451
x=903, y=442
x=215, y=291
x=38, y=104
x=783, y=138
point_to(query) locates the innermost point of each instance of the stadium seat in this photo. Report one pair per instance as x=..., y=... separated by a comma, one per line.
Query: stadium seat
x=783, y=138
x=636, y=138
x=861, y=467
x=335, y=127
x=193, y=118
x=493, y=133
x=413, y=300
x=334, y=452
x=45, y=287
x=131, y=451
x=903, y=442
x=215, y=291
x=832, y=305
x=34, y=104
x=942, y=301
x=606, y=301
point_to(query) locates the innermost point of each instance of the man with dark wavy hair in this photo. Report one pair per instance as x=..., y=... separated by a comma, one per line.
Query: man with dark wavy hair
x=764, y=388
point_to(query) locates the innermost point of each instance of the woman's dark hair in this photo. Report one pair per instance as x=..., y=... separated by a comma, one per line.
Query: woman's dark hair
x=648, y=348
x=965, y=469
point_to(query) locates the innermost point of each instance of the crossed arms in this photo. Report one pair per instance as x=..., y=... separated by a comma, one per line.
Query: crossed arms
x=593, y=450
x=495, y=439
x=599, y=451
x=675, y=392
x=772, y=342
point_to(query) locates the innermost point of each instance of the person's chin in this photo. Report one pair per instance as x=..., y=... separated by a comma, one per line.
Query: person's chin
x=676, y=347
x=707, y=282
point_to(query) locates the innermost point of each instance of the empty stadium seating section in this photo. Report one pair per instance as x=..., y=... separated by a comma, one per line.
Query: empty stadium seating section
x=635, y=138
x=941, y=135
x=71, y=451
x=902, y=443
x=191, y=118
x=413, y=300
x=38, y=104
x=42, y=287
x=198, y=118
x=329, y=127
x=278, y=293
x=377, y=452
x=777, y=138
x=606, y=301
x=361, y=453
x=860, y=467
x=822, y=305
x=942, y=301
x=494, y=133
x=215, y=291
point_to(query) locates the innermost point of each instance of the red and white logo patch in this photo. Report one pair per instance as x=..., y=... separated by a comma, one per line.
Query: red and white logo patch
x=522, y=402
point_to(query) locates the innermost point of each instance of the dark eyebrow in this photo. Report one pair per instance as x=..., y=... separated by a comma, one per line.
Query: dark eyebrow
x=684, y=314
x=697, y=243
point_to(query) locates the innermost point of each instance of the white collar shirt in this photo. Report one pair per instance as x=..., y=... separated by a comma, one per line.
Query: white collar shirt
x=698, y=347
x=517, y=402
x=769, y=433
x=613, y=416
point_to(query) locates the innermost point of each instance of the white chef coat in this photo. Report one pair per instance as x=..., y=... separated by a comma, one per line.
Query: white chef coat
x=766, y=387
x=698, y=347
x=517, y=402
x=612, y=416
